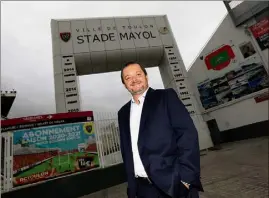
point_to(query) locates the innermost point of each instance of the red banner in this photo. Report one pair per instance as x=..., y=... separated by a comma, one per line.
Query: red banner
x=260, y=28
x=47, y=117
x=261, y=32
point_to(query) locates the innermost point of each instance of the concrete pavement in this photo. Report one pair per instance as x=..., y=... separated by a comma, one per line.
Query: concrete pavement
x=238, y=170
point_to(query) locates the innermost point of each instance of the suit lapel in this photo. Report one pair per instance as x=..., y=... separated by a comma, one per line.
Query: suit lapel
x=145, y=112
x=127, y=121
x=127, y=137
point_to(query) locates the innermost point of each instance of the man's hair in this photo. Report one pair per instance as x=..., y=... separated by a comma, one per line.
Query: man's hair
x=131, y=63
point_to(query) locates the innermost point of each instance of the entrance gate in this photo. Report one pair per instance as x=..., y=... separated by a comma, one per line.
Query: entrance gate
x=99, y=45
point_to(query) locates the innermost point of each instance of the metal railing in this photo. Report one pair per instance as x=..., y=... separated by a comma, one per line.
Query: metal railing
x=108, y=140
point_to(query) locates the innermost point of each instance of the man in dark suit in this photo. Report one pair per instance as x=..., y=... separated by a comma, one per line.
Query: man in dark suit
x=159, y=142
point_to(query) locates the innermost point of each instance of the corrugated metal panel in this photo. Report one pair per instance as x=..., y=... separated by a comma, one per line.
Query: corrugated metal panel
x=246, y=10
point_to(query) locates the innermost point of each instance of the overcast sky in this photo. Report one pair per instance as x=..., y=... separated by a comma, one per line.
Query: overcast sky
x=26, y=50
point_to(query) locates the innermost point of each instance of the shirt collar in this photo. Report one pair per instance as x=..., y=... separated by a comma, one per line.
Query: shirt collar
x=143, y=95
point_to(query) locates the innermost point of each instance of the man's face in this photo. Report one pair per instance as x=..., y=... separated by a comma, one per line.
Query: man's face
x=135, y=81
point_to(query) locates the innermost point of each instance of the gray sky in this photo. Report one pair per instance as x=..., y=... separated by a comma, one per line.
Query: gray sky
x=26, y=51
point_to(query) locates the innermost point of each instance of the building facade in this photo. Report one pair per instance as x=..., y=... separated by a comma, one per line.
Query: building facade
x=230, y=75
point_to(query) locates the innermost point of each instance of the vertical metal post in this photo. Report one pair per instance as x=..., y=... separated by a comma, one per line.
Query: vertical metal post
x=5, y=178
x=98, y=140
x=99, y=133
x=8, y=167
x=1, y=165
x=11, y=159
x=7, y=171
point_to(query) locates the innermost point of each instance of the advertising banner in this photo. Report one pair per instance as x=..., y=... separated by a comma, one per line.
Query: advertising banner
x=260, y=32
x=220, y=58
x=232, y=79
x=50, y=151
x=45, y=120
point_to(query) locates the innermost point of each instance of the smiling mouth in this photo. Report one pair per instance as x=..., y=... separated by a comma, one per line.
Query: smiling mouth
x=136, y=84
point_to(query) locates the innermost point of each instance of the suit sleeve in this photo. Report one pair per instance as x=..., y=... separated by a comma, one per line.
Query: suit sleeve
x=186, y=138
x=120, y=131
x=121, y=146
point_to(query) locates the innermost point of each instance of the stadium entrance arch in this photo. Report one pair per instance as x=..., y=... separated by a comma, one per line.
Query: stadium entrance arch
x=99, y=45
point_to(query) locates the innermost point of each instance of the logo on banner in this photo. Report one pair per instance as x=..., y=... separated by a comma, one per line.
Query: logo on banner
x=65, y=36
x=88, y=128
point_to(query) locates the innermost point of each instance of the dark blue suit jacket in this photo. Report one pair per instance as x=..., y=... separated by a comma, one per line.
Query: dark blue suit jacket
x=167, y=143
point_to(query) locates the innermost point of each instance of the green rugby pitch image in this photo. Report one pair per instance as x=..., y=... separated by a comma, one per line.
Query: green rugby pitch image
x=58, y=165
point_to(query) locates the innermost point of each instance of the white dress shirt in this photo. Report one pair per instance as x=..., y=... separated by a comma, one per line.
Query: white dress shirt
x=135, y=117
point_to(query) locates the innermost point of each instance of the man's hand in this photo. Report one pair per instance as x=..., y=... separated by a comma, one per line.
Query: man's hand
x=185, y=184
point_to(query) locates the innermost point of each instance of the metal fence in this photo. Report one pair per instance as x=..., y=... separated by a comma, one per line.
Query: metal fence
x=108, y=139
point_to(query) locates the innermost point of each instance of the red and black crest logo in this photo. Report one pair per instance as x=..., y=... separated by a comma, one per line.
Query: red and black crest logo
x=65, y=36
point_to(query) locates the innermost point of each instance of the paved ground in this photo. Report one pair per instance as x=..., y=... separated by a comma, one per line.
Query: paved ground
x=239, y=170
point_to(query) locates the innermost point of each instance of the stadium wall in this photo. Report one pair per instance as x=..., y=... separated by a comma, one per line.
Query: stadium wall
x=246, y=116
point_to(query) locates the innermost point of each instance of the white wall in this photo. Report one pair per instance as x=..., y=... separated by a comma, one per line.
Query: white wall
x=240, y=113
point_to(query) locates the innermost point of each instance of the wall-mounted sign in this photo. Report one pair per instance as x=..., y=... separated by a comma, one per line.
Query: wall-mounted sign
x=262, y=97
x=247, y=49
x=96, y=34
x=248, y=78
x=220, y=58
x=112, y=36
x=260, y=32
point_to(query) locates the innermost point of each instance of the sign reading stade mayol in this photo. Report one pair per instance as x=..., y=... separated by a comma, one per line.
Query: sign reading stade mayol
x=96, y=34
x=220, y=58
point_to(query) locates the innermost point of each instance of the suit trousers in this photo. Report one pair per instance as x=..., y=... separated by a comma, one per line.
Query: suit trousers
x=146, y=189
